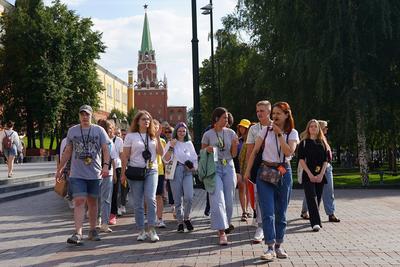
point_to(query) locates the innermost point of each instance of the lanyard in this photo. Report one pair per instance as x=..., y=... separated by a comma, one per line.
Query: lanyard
x=146, y=144
x=87, y=138
x=221, y=141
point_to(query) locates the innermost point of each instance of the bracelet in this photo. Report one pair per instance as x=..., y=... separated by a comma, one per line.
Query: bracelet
x=106, y=163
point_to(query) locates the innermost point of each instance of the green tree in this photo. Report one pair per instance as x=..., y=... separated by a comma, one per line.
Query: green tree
x=47, y=66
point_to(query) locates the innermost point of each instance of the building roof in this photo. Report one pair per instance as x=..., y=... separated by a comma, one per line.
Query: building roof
x=111, y=75
x=6, y=4
x=146, y=39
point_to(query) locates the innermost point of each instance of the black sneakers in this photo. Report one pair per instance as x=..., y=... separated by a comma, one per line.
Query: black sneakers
x=75, y=239
x=229, y=229
x=189, y=225
x=180, y=228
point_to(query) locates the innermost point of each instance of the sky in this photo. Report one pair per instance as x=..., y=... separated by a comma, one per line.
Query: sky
x=121, y=22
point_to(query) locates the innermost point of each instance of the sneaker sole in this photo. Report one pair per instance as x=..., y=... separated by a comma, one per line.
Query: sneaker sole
x=71, y=242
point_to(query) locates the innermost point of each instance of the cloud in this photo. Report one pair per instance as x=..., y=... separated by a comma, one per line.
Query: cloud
x=69, y=3
x=171, y=35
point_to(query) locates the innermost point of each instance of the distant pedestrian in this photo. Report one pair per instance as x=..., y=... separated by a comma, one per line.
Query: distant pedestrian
x=222, y=142
x=161, y=182
x=141, y=146
x=87, y=148
x=181, y=149
x=10, y=145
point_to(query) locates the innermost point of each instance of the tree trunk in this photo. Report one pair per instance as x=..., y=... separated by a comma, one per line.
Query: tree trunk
x=362, y=147
x=29, y=131
x=338, y=152
x=41, y=136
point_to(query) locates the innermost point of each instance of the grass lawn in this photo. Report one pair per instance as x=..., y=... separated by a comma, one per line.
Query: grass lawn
x=46, y=142
x=351, y=177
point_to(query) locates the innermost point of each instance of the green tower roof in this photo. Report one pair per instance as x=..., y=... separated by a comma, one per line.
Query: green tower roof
x=146, y=39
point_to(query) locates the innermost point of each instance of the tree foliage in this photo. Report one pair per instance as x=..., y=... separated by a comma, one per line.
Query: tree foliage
x=47, y=66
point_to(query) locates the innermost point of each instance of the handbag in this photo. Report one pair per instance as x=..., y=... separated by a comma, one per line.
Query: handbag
x=61, y=186
x=257, y=161
x=170, y=168
x=270, y=174
x=136, y=173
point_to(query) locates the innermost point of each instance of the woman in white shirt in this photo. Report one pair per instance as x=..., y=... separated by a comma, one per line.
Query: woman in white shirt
x=10, y=138
x=181, y=149
x=141, y=145
x=281, y=140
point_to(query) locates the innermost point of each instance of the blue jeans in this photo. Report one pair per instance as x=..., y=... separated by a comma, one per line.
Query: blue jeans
x=182, y=187
x=274, y=200
x=84, y=188
x=221, y=201
x=145, y=191
x=106, y=189
x=328, y=196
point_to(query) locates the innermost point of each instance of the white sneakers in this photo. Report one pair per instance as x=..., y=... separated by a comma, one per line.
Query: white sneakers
x=316, y=228
x=105, y=229
x=152, y=234
x=142, y=236
x=259, y=235
x=269, y=255
x=161, y=224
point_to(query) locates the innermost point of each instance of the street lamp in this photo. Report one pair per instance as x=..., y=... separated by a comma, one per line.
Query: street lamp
x=208, y=10
x=196, y=90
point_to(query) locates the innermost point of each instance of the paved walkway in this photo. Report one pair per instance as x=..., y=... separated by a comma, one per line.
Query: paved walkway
x=33, y=231
x=29, y=169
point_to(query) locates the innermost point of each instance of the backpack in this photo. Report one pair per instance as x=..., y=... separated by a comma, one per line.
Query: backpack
x=7, y=141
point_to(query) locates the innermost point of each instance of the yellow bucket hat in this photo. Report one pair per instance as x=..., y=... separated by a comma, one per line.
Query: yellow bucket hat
x=245, y=123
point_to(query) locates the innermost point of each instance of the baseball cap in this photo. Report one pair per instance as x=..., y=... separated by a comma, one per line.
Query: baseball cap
x=86, y=108
x=244, y=123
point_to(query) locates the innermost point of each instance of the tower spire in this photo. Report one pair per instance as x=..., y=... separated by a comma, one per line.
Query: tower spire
x=146, y=38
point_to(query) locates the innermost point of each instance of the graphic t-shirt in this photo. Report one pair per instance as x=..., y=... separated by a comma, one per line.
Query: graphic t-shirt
x=221, y=140
x=86, y=143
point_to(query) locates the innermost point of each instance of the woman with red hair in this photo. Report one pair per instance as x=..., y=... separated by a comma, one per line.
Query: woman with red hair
x=274, y=177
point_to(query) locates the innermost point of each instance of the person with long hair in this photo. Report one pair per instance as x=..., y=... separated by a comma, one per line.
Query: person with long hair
x=141, y=146
x=10, y=145
x=181, y=148
x=280, y=141
x=222, y=142
x=312, y=154
x=240, y=166
x=328, y=196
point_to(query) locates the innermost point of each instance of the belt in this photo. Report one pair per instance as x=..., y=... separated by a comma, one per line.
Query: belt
x=224, y=162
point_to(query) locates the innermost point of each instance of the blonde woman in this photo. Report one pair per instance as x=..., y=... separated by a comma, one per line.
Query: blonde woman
x=141, y=146
x=312, y=155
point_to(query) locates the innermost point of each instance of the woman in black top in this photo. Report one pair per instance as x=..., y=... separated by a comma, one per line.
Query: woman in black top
x=313, y=159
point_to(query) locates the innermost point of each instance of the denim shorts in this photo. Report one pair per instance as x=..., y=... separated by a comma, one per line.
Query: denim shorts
x=83, y=188
x=160, y=185
x=12, y=152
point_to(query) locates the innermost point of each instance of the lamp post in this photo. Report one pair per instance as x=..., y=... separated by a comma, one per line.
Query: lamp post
x=208, y=10
x=196, y=90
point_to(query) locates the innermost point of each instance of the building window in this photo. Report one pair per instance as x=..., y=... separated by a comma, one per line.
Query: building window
x=150, y=93
x=117, y=96
x=125, y=98
x=156, y=93
x=179, y=117
x=109, y=90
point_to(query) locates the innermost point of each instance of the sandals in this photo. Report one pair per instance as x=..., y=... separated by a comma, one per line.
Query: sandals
x=305, y=215
x=244, y=217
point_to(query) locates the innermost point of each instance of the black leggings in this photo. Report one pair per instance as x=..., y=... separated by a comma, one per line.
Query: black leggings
x=313, y=192
x=124, y=192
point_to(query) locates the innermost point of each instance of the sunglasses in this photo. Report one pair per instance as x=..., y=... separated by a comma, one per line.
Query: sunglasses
x=168, y=132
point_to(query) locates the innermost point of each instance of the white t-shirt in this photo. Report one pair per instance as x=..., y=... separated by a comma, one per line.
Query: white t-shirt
x=254, y=131
x=62, y=146
x=119, y=147
x=183, y=151
x=272, y=146
x=136, y=144
x=113, y=155
x=13, y=135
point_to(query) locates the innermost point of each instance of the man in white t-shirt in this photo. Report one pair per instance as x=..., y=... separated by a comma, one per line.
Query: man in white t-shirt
x=117, y=207
x=263, y=110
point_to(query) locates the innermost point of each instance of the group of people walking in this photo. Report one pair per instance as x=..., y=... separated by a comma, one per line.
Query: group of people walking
x=256, y=158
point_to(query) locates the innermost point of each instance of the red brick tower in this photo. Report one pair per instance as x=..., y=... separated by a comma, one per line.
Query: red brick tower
x=150, y=94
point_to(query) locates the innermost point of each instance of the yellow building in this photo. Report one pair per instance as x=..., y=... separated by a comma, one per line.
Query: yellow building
x=116, y=94
x=5, y=7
